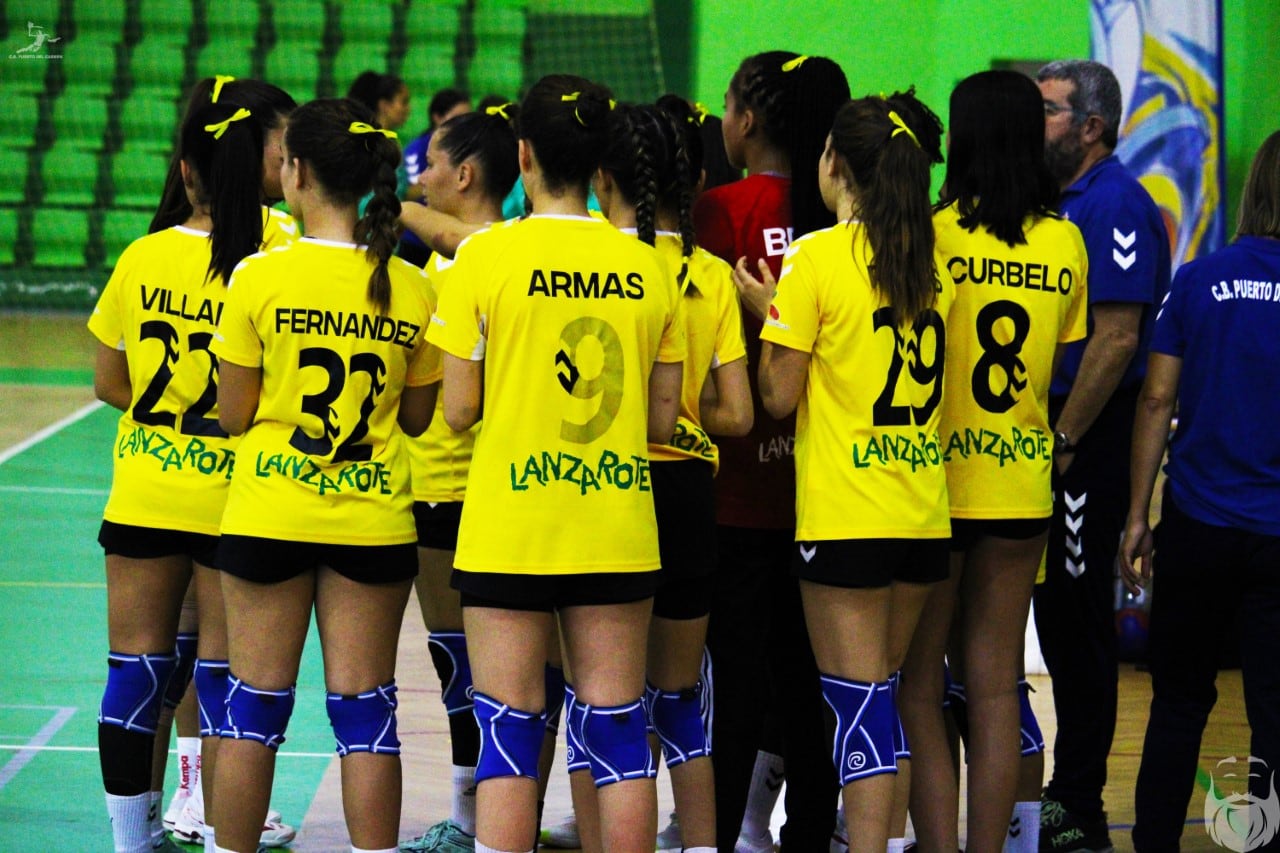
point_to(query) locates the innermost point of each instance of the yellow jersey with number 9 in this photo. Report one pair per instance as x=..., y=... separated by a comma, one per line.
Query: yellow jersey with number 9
x=1014, y=305
x=868, y=458
x=323, y=460
x=568, y=315
x=171, y=460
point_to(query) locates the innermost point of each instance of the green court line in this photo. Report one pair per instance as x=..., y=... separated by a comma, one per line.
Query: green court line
x=44, y=376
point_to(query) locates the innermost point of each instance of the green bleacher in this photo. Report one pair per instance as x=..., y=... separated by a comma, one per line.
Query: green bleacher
x=91, y=125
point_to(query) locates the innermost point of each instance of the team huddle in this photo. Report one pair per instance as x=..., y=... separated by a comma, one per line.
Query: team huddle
x=771, y=464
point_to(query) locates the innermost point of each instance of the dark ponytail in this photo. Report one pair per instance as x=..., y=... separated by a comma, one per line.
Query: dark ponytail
x=887, y=146
x=490, y=139
x=566, y=120
x=688, y=164
x=222, y=145
x=647, y=158
x=350, y=158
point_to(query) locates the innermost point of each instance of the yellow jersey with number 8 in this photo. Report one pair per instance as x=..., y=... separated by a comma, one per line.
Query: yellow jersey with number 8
x=568, y=315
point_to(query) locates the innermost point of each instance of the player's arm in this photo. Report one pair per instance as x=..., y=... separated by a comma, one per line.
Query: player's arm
x=725, y=404
x=1150, y=435
x=664, y=400
x=463, y=392
x=1102, y=366
x=111, y=382
x=239, y=388
x=782, y=376
x=440, y=231
x=417, y=405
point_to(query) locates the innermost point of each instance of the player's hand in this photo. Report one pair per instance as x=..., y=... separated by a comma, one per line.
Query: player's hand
x=1136, y=548
x=756, y=293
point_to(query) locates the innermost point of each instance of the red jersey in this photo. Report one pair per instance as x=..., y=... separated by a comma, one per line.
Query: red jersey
x=756, y=486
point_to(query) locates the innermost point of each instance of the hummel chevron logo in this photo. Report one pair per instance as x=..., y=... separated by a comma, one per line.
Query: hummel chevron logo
x=1124, y=241
x=1074, y=520
x=773, y=781
x=1074, y=504
x=808, y=553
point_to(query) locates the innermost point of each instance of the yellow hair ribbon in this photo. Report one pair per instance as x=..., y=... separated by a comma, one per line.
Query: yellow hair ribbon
x=221, y=127
x=571, y=98
x=500, y=110
x=901, y=128
x=793, y=64
x=700, y=113
x=362, y=127
x=218, y=82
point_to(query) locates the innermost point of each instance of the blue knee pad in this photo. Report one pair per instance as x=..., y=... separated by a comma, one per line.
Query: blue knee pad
x=1032, y=738
x=510, y=740
x=365, y=722
x=135, y=690
x=554, y=684
x=676, y=717
x=614, y=740
x=575, y=757
x=256, y=714
x=211, y=695
x=456, y=692
x=901, y=748
x=865, y=720
x=185, y=649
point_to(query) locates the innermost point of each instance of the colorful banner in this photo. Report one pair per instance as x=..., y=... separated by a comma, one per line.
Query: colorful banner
x=1167, y=55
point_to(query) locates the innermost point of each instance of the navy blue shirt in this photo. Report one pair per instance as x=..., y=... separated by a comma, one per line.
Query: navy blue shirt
x=1128, y=248
x=1222, y=318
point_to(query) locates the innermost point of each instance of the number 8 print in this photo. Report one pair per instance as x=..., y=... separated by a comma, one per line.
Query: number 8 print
x=1000, y=356
x=607, y=384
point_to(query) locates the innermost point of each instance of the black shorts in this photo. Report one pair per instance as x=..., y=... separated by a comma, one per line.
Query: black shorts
x=684, y=501
x=548, y=593
x=437, y=524
x=149, y=543
x=260, y=560
x=965, y=532
x=872, y=563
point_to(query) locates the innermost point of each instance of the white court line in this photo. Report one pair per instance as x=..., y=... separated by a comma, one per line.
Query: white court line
x=55, y=490
x=52, y=429
x=28, y=751
x=28, y=748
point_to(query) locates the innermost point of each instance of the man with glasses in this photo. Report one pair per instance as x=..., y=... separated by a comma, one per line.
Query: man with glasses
x=1091, y=407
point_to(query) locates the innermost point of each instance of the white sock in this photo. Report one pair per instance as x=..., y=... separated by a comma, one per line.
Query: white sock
x=155, y=818
x=766, y=782
x=699, y=850
x=130, y=824
x=188, y=764
x=464, y=799
x=1024, y=830
x=209, y=845
x=355, y=849
x=896, y=845
x=195, y=802
x=480, y=848
x=222, y=850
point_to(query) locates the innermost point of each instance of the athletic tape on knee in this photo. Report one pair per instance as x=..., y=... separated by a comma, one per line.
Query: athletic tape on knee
x=575, y=757
x=135, y=690
x=676, y=717
x=185, y=649
x=553, y=683
x=510, y=740
x=257, y=714
x=615, y=741
x=449, y=654
x=901, y=748
x=365, y=722
x=1032, y=738
x=211, y=695
x=865, y=715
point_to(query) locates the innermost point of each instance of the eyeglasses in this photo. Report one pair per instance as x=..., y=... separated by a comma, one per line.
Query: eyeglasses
x=1051, y=109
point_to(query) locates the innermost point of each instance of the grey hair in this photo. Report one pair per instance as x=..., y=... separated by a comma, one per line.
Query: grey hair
x=1097, y=93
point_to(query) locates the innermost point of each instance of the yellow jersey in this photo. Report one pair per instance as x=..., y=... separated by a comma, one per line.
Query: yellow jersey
x=171, y=460
x=1013, y=306
x=568, y=315
x=868, y=456
x=324, y=460
x=278, y=228
x=713, y=328
x=440, y=457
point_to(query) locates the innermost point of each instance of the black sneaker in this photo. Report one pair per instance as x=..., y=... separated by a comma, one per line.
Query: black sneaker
x=1064, y=832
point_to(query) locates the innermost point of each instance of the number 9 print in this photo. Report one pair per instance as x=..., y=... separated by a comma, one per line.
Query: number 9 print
x=590, y=364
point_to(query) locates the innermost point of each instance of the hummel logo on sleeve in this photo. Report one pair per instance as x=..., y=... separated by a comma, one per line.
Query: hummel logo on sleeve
x=1124, y=241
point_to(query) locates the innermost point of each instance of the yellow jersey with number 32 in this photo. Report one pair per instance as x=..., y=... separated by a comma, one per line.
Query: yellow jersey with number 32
x=568, y=315
x=323, y=460
x=1014, y=305
x=868, y=458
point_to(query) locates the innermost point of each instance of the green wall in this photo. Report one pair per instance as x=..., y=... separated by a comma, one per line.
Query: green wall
x=887, y=44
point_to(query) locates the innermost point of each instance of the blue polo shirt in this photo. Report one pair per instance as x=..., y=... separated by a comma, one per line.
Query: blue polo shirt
x=1221, y=318
x=1128, y=248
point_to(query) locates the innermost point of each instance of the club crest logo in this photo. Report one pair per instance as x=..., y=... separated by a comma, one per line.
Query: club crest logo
x=1238, y=819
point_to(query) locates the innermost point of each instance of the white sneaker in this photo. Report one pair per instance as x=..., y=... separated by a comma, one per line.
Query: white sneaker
x=179, y=800
x=669, y=838
x=189, y=827
x=762, y=843
x=275, y=833
x=563, y=836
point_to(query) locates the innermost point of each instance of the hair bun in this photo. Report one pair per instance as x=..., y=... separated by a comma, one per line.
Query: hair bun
x=592, y=109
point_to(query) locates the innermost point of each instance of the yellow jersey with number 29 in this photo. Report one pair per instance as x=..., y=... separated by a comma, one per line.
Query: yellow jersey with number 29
x=323, y=460
x=868, y=458
x=568, y=315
